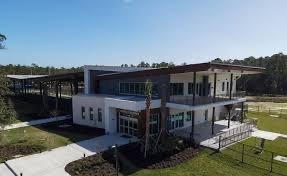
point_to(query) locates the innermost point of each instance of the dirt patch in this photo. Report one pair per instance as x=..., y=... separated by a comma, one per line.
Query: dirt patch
x=157, y=161
x=9, y=151
x=100, y=164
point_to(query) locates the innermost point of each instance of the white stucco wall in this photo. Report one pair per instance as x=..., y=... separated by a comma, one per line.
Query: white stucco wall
x=87, y=101
x=199, y=114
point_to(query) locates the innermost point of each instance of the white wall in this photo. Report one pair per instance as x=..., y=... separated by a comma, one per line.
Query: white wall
x=199, y=115
x=86, y=101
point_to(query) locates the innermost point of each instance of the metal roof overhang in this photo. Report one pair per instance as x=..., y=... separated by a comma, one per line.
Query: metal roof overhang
x=183, y=69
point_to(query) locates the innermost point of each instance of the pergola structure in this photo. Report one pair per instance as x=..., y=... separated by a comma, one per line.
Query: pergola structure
x=41, y=82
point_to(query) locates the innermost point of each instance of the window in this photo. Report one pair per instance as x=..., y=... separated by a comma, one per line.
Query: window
x=176, y=88
x=188, y=116
x=83, y=112
x=100, y=115
x=197, y=89
x=176, y=121
x=154, y=124
x=190, y=87
x=91, y=114
x=223, y=86
x=131, y=88
x=227, y=86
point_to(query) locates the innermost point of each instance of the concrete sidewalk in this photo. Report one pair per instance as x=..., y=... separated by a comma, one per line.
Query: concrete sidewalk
x=52, y=163
x=36, y=122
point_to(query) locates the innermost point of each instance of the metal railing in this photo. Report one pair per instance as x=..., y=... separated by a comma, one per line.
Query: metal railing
x=201, y=100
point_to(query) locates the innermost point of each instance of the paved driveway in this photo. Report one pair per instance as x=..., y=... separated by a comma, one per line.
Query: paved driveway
x=52, y=163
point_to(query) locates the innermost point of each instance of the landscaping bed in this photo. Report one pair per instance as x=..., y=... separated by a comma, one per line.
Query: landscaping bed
x=157, y=161
x=100, y=164
x=13, y=151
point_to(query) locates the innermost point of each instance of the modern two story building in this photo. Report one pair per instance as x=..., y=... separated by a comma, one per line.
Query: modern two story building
x=182, y=96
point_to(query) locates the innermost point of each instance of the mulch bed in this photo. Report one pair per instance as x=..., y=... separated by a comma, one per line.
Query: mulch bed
x=158, y=161
x=100, y=164
x=8, y=151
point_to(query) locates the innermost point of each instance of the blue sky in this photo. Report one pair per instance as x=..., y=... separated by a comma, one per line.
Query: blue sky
x=111, y=32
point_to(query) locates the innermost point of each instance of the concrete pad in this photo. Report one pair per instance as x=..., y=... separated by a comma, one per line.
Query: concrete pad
x=265, y=135
x=53, y=162
x=4, y=171
x=281, y=158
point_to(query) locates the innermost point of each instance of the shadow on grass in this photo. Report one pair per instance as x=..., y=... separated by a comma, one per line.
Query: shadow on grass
x=30, y=107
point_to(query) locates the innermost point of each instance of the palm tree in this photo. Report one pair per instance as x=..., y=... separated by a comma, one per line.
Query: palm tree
x=148, y=93
x=2, y=38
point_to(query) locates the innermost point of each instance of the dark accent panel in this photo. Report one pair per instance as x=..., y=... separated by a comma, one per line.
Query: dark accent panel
x=93, y=81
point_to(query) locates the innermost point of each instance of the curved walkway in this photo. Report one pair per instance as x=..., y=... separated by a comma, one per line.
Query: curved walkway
x=52, y=163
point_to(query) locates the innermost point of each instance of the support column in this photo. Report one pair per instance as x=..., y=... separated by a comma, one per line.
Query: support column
x=214, y=100
x=25, y=87
x=57, y=95
x=193, y=104
x=22, y=86
x=242, y=112
x=163, y=108
x=41, y=91
x=231, y=86
x=230, y=97
x=76, y=88
x=71, y=85
x=14, y=86
x=60, y=89
x=229, y=116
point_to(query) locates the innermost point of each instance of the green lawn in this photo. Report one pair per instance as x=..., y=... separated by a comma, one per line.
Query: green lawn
x=224, y=164
x=46, y=136
x=268, y=123
x=208, y=164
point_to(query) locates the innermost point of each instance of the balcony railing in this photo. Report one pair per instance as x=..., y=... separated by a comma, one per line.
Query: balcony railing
x=201, y=100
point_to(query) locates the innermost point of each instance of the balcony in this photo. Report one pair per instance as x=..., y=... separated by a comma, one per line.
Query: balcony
x=202, y=100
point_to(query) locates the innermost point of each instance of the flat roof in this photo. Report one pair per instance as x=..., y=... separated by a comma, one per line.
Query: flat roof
x=184, y=69
x=25, y=76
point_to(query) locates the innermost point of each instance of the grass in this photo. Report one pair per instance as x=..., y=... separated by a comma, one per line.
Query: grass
x=205, y=164
x=48, y=136
x=224, y=164
x=269, y=123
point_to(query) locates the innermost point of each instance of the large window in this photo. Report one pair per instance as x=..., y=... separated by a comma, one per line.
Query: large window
x=83, y=112
x=176, y=121
x=154, y=124
x=188, y=116
x=190, y=88
x=100, y=118
x=176, y=88
x=131, y=88
x=91, y=114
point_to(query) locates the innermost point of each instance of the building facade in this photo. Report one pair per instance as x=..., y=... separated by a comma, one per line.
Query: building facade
x=182, y=96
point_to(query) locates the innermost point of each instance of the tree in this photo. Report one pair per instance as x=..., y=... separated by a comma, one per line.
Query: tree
x=6, y=116
x=148, y=93
x=2, y=39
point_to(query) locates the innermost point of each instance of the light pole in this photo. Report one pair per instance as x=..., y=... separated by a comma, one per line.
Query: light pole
x=116, y=157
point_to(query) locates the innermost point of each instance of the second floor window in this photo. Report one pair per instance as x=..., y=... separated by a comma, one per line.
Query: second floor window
x=223, y=86
x=227, y=86
x=132, y=88
x=176, y=88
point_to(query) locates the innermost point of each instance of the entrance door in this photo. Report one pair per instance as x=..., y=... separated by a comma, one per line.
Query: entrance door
x=128, y=124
